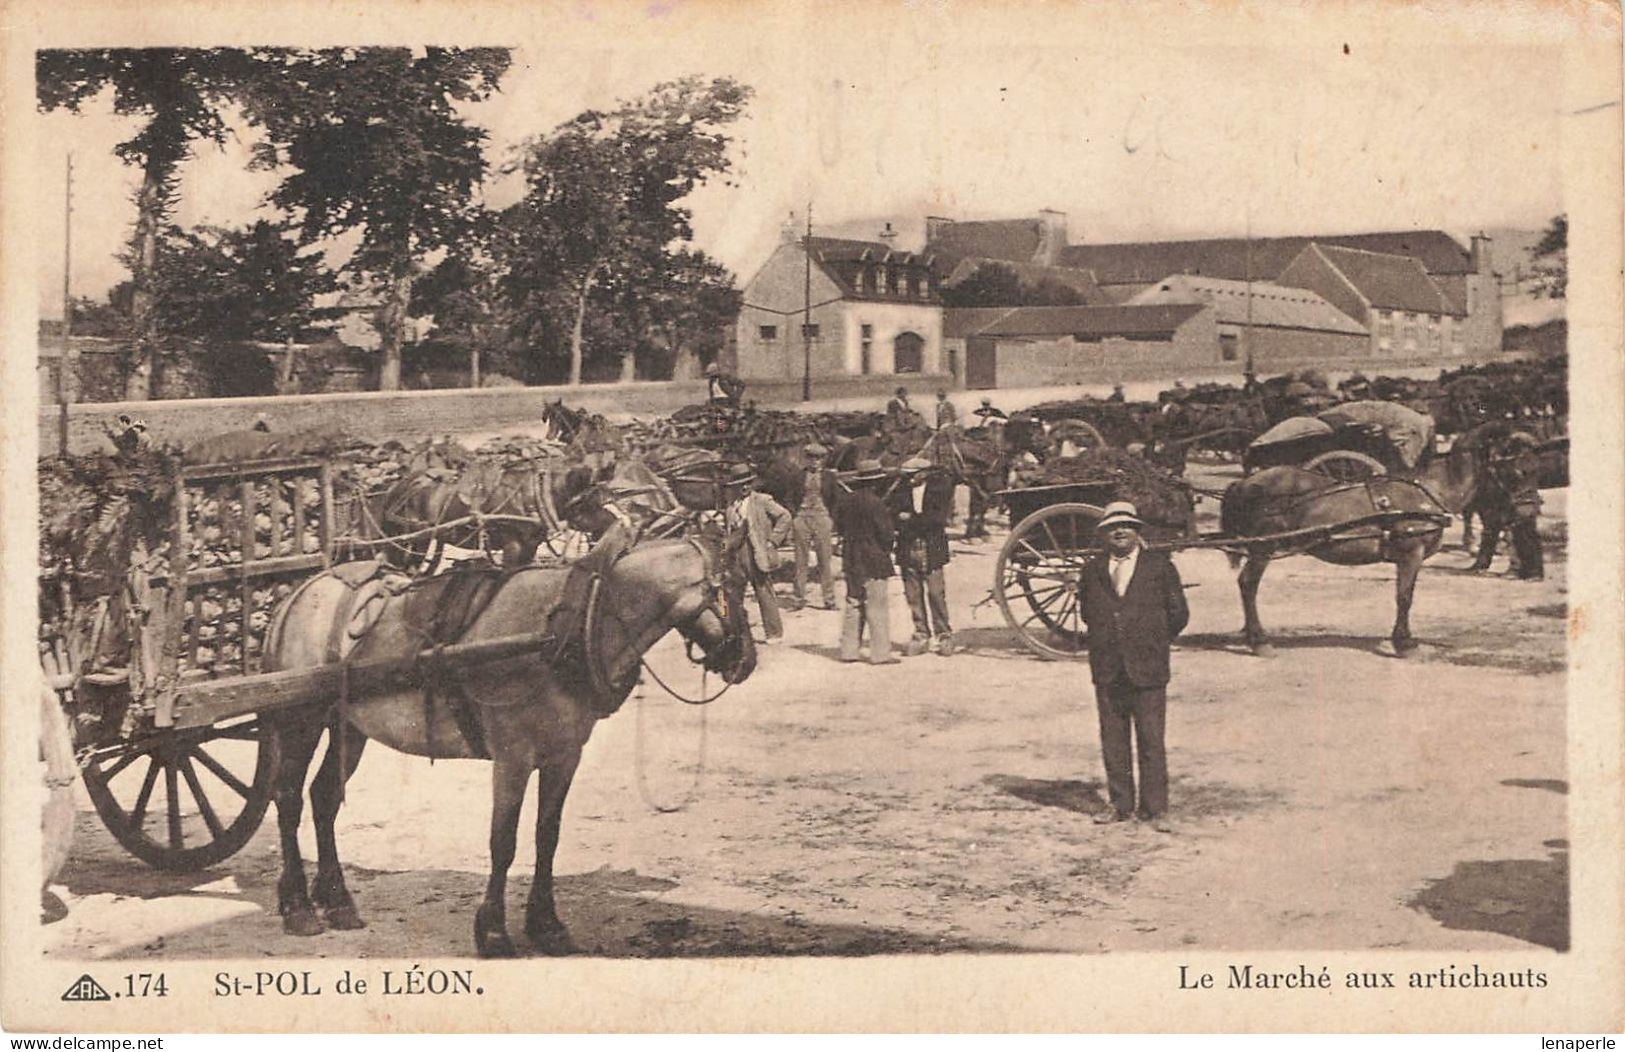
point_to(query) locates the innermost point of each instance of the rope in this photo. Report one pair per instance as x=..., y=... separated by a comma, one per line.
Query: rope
x=639, y=767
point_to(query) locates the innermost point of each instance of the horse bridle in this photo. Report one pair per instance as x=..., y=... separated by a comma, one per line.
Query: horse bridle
x=716, y=600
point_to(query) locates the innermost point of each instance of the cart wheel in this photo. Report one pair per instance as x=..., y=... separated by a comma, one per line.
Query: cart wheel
x=216, y=786
x=1346, y=465
x=1036, y=578
x=1080, y=433
x=567, y=545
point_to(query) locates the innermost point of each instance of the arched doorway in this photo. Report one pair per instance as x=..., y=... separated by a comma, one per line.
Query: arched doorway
x=908, y=352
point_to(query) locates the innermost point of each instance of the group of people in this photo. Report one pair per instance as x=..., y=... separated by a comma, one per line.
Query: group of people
x=889, y=525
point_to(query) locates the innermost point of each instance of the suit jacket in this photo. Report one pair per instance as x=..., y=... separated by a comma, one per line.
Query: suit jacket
x=930, y=524
x=766, y=525
x=865, y=525
x=1129, y=634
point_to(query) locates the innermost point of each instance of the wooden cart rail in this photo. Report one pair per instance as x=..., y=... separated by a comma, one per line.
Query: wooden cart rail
x=210, y=701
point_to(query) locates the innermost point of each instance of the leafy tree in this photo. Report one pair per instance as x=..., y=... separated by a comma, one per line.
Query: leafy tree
x=1551, y=258
x=216, y=285
x=179, y=93
x=603, y=201
x=996, y=285
x=464, y=295
x=377, y=144
x=682, y=309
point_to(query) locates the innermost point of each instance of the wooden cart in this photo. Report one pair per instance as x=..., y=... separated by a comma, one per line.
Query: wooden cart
x=162, y=682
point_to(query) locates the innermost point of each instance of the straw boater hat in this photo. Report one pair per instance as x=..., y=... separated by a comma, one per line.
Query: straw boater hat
x=1117, y=513
x=813, y=449
x=913, y=464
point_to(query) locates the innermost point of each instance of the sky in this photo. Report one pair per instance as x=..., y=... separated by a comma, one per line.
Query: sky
x=1138, y=125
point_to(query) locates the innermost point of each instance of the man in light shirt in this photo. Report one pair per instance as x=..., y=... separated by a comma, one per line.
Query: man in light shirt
x=1134, y=605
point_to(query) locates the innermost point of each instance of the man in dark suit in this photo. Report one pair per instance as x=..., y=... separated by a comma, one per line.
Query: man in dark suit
x=865, y=525
x=921, y=505
x=1134, y=605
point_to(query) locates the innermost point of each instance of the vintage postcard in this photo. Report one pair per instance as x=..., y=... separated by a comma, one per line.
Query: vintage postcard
x=919, y=516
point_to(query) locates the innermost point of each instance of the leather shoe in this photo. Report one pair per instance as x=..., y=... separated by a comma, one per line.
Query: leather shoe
x=1105, y=818
x=1160, y=824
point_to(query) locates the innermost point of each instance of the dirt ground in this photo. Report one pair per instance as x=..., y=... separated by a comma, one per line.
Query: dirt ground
x=1333, y=797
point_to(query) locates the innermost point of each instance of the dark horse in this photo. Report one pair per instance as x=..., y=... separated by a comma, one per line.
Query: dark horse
x=532, y=715
x=482, y=506
x=1347, y=524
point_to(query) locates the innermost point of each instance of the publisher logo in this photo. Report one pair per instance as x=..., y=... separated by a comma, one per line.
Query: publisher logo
x=85, y=988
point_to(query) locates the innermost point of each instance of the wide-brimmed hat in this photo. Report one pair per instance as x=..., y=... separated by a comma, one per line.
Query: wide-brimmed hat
x=986, y=400
x=713, y=369
x=867, y=471
x=1119, y=512
x=813, y=449
x=916, y=464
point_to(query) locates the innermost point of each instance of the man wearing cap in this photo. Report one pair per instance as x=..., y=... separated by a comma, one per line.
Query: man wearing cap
x=921, y=505
x=759, y=525
x=947, y=415
x=1133, y=605
x=866, y=535
x=812, y=528
x=988, y=412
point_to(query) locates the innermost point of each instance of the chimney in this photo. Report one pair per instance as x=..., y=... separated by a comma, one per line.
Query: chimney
x=1051, y=236
x=1479, y=258
x=889, y=236
x=788, y=233
x=934, y=226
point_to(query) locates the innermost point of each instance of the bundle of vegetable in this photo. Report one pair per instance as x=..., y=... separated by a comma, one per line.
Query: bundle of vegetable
x=1161, y=499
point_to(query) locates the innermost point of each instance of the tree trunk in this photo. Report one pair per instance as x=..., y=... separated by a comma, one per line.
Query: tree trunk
x=580, y=322
x=150, y=202
x=392, y=329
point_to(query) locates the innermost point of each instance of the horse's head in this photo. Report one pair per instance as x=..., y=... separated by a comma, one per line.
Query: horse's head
x=718, y=624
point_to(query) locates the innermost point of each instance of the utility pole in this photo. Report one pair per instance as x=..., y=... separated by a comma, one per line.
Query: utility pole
x=64, y=361
x=1247, y=336
x=806, y=313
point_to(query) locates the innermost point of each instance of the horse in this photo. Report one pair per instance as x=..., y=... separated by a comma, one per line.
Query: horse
x=1325, y=516
x=525, y=712
x=483, y=506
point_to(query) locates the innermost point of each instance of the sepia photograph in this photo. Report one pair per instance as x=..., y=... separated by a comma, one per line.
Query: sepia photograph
x=1066, y=496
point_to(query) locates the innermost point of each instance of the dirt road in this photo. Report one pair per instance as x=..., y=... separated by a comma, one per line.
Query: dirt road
x=1334, y=797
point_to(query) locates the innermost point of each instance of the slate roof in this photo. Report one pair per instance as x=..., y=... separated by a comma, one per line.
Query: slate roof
x=842, y=259
x=1389, y=282
x=1080, y=281
x=1014, y=240
x=1264, y=258
x=1273, y=306
x=1123, y=320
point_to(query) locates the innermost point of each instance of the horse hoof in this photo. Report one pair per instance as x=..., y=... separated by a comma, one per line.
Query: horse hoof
x=302, y=921
x=1405, y=648
x=343, y=918
x=1263, y=650
x=494, y=944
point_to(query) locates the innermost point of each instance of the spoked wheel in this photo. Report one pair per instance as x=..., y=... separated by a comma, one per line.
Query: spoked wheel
x=567, y=545
x=184, y=800
x=1346, y=465
x=1037, y=578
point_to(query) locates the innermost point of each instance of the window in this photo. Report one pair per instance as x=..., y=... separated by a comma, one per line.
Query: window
x=871, y=280
x=891, y=280
x=868, y=332
x=809, y=332
x=768, y=332
x=866, y=349
x=1227, y=347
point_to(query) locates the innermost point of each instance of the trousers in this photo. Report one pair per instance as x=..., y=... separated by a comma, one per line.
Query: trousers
x=766, y=601
x=815, y=534
x=866, y=606
x=1141, y=712
x=927, y=597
